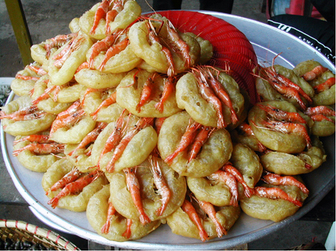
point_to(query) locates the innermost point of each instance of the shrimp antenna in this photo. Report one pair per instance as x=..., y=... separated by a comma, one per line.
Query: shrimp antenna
x=150, y=6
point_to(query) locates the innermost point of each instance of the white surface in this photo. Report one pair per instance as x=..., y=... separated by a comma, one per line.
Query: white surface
x=267, y=42
x=330, y=242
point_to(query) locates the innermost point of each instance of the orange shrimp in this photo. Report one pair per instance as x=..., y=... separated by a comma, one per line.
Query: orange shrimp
x=314, y=73
x=320, y=110
x=117, y=7
x=247, y=129
x=100, y=13
x=91, y=137
x=68, y=121
x=208, y=94
x=71, y=176
x=109, y=101
x=44, y=148
x=289, y=127
x=289, y=92
x=115, y=137
x=222, y=94
x=34, y=138
x=21, y=116
x=186, y=140
x=102, y=45
x=282, y=115
x=73, y=45
x=119, y=149
x=275, y=193
x=45, y=94
x=325, y=85
x=75, y=187
x=134, y=188
x=38, y=70
x=239, y=177
x=276, y=179
x=200, y=140
x=23, y=77
x=146, y=91
x=112, y=51
x=153, y=37
x=158, y=124
x=168, y=89
x=178, y=44
x=17, y=114
x=110, y=212
x=209, y=209
x=160, y=183
x=190, y=210
x=229, y=180
x=128, y=232
x=57, y=42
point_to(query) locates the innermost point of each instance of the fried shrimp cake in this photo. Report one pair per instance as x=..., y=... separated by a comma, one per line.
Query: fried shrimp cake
x=280, y=126
x=157, y=200
x=153, y=42
x=65, y=61
x=94, y=24
x=215, y=152
x=295, y=164
x=211, y=99
x=124, y=143
x=320, y=78
x=276, y=202
x=112, y=225
x=72, y=193
x=144, y=94
x=20, y=118
x=193, y=222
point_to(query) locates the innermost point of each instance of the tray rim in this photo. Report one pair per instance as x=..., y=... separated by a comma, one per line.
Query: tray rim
x=136, y=244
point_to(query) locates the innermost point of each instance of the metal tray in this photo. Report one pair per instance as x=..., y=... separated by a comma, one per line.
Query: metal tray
x=267, y=42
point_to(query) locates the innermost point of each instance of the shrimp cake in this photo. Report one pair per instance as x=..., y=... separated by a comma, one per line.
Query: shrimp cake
x=152, y=53
x=129, y=95
x=189, y=97
x=180, y=223
x=151, y=199
x=92, y=102
x=272, y=209
x=62, y=73
x=96, y=214
x=48, y=105
x=204, y=189
x=74, y=134
x=24, y=127
x=22, y=86
x=136, y=151
x=35, y=162
x=295, y=164
x=325, y=97
x=131, y=11
x=75, y=202
x=289, y=142
x=215, y=152
x=247, y=162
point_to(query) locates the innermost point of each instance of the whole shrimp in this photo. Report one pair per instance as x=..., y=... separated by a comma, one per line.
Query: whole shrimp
x=134, y=188
x=119, y=149
x=75, y=186
x=44, y=148
x=160, y=184
x=190, y=210
x=209, y=209
x=186, y=140
x=200, y=140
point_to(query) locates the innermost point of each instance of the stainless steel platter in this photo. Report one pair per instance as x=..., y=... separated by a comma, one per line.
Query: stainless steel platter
x=267, y=42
